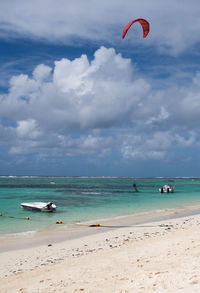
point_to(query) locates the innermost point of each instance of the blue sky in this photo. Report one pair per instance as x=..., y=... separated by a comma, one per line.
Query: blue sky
x=78, y=100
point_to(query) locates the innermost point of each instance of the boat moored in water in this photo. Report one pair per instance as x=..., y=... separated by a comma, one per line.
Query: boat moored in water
x=167, y=188
x=39, y=206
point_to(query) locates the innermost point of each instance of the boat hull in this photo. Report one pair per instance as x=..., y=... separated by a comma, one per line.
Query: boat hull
x=39, y=206
x=167, y=189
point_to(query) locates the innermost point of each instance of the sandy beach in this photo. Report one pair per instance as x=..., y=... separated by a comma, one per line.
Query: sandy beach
x=157, y=256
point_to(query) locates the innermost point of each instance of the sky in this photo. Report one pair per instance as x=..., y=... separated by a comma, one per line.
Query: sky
x=78, y=100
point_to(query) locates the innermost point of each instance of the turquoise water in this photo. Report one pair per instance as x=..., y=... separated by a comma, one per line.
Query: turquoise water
x=82, y=199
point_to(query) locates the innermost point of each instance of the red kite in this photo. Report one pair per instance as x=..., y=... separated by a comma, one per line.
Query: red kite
x=144, y=24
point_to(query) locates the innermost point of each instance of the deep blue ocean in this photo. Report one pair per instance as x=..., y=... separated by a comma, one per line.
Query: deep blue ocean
x=81, y=199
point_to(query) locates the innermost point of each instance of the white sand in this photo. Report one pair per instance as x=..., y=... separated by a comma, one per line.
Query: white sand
x=155, y=257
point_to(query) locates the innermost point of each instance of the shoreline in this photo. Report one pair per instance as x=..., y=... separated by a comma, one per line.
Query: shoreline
x=62, y=233
x=153, y=256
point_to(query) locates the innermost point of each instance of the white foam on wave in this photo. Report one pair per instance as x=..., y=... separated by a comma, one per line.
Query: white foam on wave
x=26, y=233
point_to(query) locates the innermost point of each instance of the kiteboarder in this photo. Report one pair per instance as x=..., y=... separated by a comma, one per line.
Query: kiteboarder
x=135, y=187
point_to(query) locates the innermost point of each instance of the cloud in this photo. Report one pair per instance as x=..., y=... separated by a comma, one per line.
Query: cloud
x=7, y=135
x=89, y=145
x=157, y=145
x=41, y=72
x=28, y=129
x=80, y=94
x=96, y=108
x=174, y=27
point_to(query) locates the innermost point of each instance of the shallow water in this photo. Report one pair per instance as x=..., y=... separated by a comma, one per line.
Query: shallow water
x=83, y=199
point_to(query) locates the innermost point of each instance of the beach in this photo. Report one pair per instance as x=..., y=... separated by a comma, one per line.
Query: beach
x=153, y=256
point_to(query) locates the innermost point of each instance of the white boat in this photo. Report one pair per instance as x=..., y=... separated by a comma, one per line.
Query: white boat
x=167, y=188
x=39, y=206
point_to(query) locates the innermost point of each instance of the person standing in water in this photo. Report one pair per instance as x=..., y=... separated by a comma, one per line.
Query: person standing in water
x=135, y=187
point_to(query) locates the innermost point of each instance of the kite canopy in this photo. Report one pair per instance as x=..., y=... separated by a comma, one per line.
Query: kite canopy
x=144, y=24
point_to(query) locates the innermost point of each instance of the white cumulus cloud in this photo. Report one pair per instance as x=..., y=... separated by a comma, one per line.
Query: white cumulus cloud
x=92, y=108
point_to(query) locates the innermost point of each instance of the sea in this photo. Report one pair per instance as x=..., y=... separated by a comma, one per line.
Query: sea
x=82, y=199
